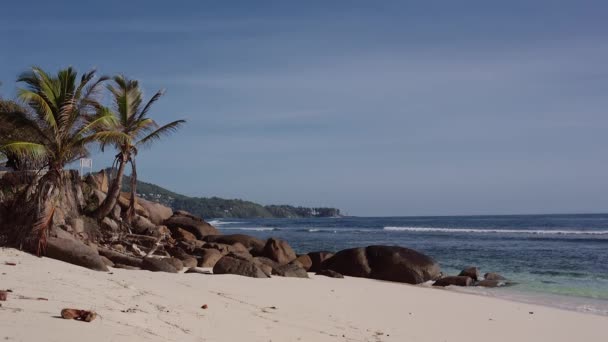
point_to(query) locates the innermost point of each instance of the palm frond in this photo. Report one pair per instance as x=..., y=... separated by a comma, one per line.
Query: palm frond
x=41, y=106
x=148, y=105
x=26, y=149
x=161, y=132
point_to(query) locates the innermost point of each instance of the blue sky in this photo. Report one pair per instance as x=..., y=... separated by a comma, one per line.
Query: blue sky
x=375, y=107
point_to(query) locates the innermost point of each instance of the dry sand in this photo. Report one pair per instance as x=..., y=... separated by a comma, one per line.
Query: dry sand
x=147, y=306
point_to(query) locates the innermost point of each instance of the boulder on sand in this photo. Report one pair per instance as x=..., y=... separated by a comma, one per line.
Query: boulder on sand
x=208, y=257
x=175, y=262
x=119, y=258
x=239, y=265
x=329, y=273
x=279, y=251
x=317, y=259
x=391, y=263
x=191, y=223
x=290, y=270
x=470, y=271
x=74, y=252
x=304, y=261
x=454, y=280
x=158, y=265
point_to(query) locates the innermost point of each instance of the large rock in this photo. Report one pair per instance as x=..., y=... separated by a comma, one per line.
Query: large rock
x=470, y=271
x=100, y=181
x=290, y=270
x=191, y=223
x=330, y=273
x=189, y=262
x=119, y=258
x=252, y=243
x=110, y=225
x=279, y=251
x=455, y=281
x=142, y=225
x=74, y=252
x=490, y=283
x=158, y=265
x=391, y=263
x=175, y=262
x=125, y=198
x=317, y=259
x=182, y=234
x=304, y=261
x=493, y=276
x=157, y=213
x=209, y=257
x=235, y=264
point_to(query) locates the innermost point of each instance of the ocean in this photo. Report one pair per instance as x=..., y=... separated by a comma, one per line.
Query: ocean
x=559, y=260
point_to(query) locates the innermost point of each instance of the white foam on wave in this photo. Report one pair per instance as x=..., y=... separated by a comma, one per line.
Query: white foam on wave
x=257, y=229
x=221, y=223
x=498, y=231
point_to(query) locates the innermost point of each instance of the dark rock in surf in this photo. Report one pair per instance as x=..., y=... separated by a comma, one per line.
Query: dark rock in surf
x=493, y=276
x=455, y=281
x=471, y=271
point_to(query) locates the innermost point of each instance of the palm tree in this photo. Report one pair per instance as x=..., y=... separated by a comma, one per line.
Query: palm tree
x=63, y=118
x=131, y=130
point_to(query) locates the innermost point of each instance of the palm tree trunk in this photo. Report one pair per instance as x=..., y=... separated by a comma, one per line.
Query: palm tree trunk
x=131, y=211
x=109, y=203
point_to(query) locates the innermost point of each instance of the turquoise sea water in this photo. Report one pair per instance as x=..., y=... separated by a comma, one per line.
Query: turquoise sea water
x=548, y=256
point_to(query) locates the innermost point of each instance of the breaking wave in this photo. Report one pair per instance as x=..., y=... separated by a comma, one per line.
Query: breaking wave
x=498, y=231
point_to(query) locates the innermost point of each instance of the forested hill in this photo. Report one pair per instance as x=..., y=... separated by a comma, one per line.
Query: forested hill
x=215, y=207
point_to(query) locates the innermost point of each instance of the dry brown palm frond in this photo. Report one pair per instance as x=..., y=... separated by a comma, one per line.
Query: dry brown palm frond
x=41, y=229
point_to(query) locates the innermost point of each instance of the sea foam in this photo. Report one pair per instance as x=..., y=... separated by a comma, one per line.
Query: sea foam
x=498, y=231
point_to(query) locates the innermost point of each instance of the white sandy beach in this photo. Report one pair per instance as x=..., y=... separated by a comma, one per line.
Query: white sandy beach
x=147, y=306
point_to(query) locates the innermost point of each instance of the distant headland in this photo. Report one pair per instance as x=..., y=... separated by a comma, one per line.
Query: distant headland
x=215, y=207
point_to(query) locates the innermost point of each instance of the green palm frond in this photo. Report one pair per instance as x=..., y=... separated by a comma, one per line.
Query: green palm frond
x=40, y=105
x=26, y=149
x=161, y=132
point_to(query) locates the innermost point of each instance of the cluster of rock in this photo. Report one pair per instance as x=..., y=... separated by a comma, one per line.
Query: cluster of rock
x=161, y=240
x=470, y=276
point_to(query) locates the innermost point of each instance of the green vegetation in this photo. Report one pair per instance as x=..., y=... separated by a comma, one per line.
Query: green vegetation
x=61, y=119
x=131, y=130
x=215, y=207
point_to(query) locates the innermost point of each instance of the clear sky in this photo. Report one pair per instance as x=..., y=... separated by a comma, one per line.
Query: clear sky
x=375, y=107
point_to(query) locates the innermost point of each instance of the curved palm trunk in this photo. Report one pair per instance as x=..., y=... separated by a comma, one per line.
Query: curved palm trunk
x=131, y=210
x=109, y=203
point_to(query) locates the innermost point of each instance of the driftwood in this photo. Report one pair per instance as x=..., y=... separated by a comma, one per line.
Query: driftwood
x=138, y=250
x=156, y=245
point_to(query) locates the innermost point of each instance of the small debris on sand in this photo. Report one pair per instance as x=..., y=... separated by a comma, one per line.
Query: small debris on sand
x=80, y=315
x=10, y=263
x=204, y=306
x=3, y=295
